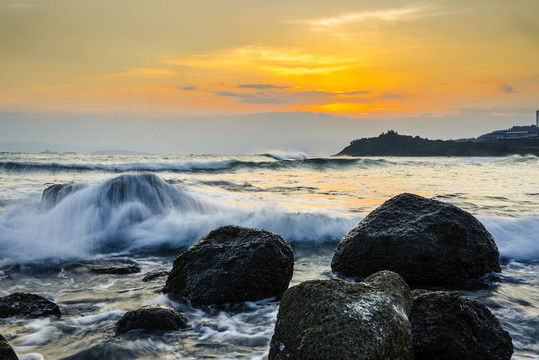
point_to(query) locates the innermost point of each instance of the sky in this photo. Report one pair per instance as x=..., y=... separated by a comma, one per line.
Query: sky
x=248, y=76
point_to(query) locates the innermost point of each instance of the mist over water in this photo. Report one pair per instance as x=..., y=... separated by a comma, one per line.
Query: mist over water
x=146, y=209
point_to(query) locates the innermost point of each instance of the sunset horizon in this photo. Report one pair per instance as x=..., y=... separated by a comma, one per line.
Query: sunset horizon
x=439, y=69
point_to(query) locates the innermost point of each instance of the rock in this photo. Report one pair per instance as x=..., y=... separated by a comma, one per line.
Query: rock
x=6, y=351
x=55, y=193
x=335, y=319
x=446, y=325
x=423, y=240
x=155, y=274
x=232, y=264
x=123, y=270
x=27, y=305
x=151, y=317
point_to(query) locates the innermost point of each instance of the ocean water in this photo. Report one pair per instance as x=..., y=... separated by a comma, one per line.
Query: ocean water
x=47, y=247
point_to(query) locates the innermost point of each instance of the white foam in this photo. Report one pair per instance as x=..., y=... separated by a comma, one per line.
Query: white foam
x=144, y=213
x=516, y=238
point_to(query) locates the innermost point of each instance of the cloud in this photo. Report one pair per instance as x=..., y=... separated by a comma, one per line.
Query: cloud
x=386, y=15
x=393, y=96
x=506, y=88
x=13, y=6
x=287, y=98
x=262, y=86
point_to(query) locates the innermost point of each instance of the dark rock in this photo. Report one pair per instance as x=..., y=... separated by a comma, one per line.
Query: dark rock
x=335, y=319
x=151, y=317
x=155, y=274
x=232, y=264
x=27, y=305
x=423, y=240
x=124, y=270
x=55, y=193
x=6, y=351
x=446, y=325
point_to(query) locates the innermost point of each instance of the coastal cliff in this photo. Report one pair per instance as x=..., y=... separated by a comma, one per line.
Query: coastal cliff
x=394, y=144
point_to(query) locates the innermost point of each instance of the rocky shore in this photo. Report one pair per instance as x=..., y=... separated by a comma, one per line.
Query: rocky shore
x=372, y=313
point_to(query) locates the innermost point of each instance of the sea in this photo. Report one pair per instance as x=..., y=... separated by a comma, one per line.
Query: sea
x=48, y=248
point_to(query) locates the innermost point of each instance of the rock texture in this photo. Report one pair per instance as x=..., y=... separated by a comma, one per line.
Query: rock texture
x=27, y=305
x=151, y=317
x=232, y=264
x=423, y=240
x=6, y=351
x=334, y=319
x=446, y=326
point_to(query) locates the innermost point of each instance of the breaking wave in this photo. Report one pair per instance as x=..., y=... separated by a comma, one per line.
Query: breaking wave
x=139, y=212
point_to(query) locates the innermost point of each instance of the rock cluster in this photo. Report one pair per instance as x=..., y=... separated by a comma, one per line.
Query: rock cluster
x=232, y=264
x=423, y=240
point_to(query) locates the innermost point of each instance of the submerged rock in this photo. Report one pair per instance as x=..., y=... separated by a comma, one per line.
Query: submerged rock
x=151, y=317
x=154, y=275
x=232, y=264
x=113, y=270
x=27, y=305
x=446, y=325
x=6, y=351
x=424, y=240
x=335, y=319
x=55, y=193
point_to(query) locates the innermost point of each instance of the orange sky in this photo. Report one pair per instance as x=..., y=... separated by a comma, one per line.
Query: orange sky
x=385, y=59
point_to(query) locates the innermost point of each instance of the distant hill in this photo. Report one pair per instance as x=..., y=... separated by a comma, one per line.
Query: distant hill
x=393, y=144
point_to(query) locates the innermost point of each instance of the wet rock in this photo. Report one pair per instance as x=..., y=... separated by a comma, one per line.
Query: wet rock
x=154, y=275
x=55, y=193
x=27, y=305
x=151, y=317
x=232, y=264
x=423, y=240
x=335, y=319
x=113, y=270
x=6, y=351
x=446, y=325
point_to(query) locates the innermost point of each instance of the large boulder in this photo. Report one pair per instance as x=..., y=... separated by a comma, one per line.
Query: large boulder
x=335, y=319
x=151, y=317
x=446, y=326
x=232, y=264
x=423, y=240
x=27, y=305
x=6, y=351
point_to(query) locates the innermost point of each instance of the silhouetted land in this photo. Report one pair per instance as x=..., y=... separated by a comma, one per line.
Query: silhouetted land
x=393, y=144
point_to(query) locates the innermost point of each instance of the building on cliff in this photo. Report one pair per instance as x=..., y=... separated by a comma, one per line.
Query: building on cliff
x=517, y=135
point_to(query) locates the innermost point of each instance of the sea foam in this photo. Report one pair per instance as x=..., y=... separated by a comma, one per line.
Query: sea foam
x=141, y=212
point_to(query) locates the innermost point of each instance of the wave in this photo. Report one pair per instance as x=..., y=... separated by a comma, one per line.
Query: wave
x=139, y=213
x=287, y=156
x=196, y=166
x=516, y=238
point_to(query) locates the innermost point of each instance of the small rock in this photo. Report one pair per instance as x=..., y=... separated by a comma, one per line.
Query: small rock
x=446, y=326
x=151, y=317
x=155, y=274
x=232, y=264
x=27, y=305
x=125, y=270
x=335, y=319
